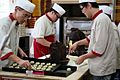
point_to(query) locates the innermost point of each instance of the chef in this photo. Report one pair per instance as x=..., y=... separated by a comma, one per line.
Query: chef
x=109, y=11
x=44, y=31
x=101, y=53
x=23, y=11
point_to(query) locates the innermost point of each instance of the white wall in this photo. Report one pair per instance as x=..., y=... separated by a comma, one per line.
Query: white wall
x=4, y=8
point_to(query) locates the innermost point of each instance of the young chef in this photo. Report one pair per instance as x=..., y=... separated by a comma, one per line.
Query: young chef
x=109, y=11
x=44, y=31
x=22, y=12
x=101, y=51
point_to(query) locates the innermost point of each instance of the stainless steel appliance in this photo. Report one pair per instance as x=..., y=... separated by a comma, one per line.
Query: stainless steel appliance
x=82, y=24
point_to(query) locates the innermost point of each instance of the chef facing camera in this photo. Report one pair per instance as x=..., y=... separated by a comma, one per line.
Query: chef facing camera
x=9, y=34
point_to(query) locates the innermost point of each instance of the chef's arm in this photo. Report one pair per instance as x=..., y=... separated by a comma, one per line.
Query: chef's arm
x=14, y=58
x=22, y=53
x=83, y=42
x=84, y=57
x=73, y=47
x=21, y=62
x=89, y=55
x=43, y=41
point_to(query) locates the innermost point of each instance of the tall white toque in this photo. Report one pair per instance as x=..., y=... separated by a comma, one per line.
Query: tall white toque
x=106, y=9
x=58, y=8
x=82, y=1
x=26, y=5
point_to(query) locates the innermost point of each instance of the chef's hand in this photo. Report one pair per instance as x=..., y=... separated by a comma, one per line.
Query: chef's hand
x=80, y=59
x=0, y=52
x=22, y=53
x=25, y=63
x=73, y=47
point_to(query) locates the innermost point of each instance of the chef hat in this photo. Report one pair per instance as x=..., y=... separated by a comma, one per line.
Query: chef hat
x=106, y=9
x=82, y=1
x=58, y=8
x=26, y=5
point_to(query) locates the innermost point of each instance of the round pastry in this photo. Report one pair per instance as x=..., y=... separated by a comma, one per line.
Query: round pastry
x=42, y=63
x=53, y=64
x=38, y=68
x=32, y=62
x=37, y=63
x=68, y=69
x=23, y=68
x=48, y=64
x=17, y=67
x=48, y=69
x=43, y=68
x=33, y=67
x=15, y=64
x=10, y=66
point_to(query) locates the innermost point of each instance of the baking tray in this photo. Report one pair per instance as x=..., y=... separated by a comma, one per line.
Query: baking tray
x=56, y=70
x=64, y=71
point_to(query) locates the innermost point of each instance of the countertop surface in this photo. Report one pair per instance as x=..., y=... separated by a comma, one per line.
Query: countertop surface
x=81, y=70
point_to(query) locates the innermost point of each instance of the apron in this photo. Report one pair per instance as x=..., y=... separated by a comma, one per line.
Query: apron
x=40, y=49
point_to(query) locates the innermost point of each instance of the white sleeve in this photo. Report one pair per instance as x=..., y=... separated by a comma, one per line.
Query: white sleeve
x=3, y=31
x=119, y=28
x=101, y=37
x=39, y=29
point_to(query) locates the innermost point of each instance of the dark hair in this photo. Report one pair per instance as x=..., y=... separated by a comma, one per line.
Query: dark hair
x=74, y=29
x=108, y=15
x=94, y=4
x=53, y=10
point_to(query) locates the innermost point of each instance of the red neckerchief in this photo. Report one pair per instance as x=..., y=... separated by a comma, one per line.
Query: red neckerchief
x=48, y=17
x=100, y=11
x=11, y=17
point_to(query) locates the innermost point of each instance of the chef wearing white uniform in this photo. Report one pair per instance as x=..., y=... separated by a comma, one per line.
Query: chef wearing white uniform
x=102, y=49
x=44, y=31
x=23, y=10
x=109, y=11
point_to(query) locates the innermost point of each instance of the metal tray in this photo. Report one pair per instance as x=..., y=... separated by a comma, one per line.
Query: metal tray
x=57, y=70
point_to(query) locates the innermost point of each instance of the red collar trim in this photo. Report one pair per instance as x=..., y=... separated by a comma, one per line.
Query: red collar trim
x=100, y=11
x=11, y=17
x=48, y=17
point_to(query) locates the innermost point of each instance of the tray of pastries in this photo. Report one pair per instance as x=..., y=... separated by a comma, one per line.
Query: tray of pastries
x=46, y=66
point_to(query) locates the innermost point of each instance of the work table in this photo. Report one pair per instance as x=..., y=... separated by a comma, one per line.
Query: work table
x=78, y=74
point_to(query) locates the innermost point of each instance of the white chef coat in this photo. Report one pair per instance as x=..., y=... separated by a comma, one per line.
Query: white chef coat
x=102, y=44
x=117, y=37
x=43, y=27
x=117, y=41
x=13, y=41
